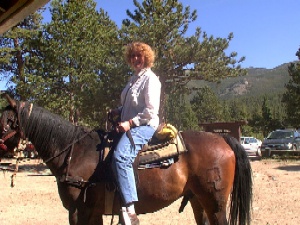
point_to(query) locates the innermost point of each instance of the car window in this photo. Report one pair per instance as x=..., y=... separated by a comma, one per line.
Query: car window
x=280, y=134
x=248, y=140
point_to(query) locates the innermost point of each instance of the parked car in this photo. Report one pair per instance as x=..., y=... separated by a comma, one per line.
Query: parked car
x=252, y=146
x=281, y=141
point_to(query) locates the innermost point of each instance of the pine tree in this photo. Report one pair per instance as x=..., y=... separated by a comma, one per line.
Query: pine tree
x=20, y=54
x=268, y=123
x=291, y=97
x=206, y=105
x=180, y=58
x=81, y=65
x=179, y=112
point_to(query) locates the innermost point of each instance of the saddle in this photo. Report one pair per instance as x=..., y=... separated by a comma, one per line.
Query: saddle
x=164, y=146
x=161, y=150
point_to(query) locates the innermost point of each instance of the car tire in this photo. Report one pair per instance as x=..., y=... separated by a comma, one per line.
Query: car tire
x=258, y=153
x=295, y=153
x=267, y=153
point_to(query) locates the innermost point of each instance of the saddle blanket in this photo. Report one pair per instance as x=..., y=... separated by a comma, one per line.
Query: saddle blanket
x=162, y=154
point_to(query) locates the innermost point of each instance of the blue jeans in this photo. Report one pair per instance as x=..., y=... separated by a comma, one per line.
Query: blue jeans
x=123, y=158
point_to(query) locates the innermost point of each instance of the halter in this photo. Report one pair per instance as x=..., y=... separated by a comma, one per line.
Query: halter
x=12, y=124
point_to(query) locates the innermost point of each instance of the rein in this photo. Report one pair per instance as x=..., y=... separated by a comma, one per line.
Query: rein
x=67, y=148
x=2, y=140
x=76, y=181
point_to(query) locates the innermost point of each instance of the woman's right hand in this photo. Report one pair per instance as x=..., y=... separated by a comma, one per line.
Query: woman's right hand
x=123, y=126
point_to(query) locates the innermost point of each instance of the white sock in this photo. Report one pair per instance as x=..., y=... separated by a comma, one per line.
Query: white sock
x=130, y=208
x=125, y=216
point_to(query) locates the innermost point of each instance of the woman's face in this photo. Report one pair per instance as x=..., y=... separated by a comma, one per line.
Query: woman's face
x=137, y=60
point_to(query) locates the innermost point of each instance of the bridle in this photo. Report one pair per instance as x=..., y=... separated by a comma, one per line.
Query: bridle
x=12, y=125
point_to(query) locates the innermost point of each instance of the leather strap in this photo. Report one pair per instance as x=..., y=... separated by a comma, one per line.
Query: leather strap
x=128, y=133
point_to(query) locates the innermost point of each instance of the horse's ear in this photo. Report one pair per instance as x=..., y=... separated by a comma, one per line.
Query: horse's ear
x=11, y=101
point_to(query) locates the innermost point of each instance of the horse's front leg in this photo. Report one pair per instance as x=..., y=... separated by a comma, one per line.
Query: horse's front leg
x=73, y=216
x=85, y=216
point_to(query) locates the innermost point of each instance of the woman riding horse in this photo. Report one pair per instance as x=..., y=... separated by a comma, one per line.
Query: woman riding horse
x=139, y=120
x=213, y=171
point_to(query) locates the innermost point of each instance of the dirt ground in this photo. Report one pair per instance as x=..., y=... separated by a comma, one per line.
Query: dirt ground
x=34, y=199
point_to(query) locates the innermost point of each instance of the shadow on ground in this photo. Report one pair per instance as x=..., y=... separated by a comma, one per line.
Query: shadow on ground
x=24, y=165
x=289, y=168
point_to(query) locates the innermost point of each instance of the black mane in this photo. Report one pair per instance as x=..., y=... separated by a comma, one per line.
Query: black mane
x=50, y=133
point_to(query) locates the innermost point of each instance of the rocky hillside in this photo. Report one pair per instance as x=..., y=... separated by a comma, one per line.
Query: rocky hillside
x=258, y=81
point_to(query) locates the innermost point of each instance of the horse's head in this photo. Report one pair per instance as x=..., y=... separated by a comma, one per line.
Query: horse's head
x=10, y=132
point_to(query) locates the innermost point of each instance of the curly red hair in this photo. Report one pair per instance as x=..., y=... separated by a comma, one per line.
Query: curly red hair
x=143, y=49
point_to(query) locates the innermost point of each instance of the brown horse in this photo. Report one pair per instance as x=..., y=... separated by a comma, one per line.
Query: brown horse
x=215, y=169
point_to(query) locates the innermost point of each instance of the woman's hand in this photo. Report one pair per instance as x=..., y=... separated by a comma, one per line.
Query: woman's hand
x=123, y=126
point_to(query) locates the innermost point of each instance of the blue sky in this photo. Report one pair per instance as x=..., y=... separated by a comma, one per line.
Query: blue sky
x=266, y=32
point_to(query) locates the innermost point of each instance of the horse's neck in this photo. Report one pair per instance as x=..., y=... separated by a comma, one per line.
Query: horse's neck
x=49, y=132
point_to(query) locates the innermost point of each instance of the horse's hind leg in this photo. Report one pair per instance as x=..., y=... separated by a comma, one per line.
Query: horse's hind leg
x=218, y=218
x=199, y=214
x=207, y=217
x=216, y=212
x=209, y=211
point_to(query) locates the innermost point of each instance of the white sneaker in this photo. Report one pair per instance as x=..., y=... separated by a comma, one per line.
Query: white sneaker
x=134, y=219
x=130, y=218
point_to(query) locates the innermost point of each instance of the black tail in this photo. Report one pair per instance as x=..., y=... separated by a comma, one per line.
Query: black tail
x=241, y=196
